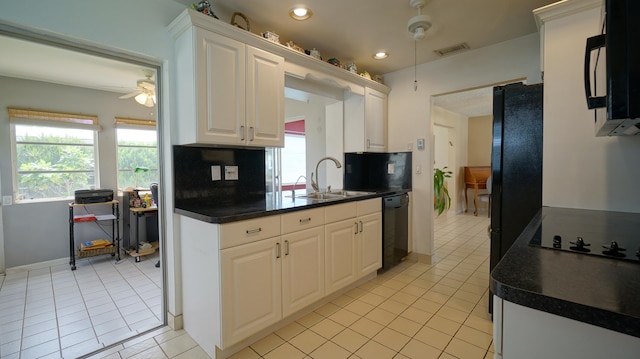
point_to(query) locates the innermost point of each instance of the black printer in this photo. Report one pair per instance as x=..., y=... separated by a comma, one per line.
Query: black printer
x=84, y=196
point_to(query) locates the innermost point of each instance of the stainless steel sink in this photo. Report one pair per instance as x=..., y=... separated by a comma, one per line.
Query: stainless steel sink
x=325, y=196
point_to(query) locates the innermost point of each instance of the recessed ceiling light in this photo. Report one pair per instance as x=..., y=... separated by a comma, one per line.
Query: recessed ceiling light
x=381, y=55
x=300, y=13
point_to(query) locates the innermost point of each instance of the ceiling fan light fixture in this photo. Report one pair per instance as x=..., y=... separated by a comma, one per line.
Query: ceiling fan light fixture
x=418, y=26
x=146, y=99
x=300, y=13
x=381, y=55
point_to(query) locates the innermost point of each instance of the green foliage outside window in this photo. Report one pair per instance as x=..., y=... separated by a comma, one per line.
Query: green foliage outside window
x=52, y=166
x=137, y=149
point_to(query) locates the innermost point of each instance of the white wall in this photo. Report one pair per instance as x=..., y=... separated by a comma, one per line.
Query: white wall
x=457, y=126
x=480, y=138
x=579, y=169
x=410, y=112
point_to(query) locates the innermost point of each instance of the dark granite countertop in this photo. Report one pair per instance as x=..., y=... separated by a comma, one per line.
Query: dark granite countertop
x=272, y=204
x=591, y=289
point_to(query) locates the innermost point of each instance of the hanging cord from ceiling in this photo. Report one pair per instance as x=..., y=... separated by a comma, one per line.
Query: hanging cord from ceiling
x=415, y=66
x=418, y=26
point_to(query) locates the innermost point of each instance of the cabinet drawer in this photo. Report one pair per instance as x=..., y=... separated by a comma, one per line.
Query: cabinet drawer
x=369, y=206
x=297, y=221
x=251, y=230
x=340, y=212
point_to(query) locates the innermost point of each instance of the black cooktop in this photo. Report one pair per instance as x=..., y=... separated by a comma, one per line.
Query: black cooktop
x=602, y=233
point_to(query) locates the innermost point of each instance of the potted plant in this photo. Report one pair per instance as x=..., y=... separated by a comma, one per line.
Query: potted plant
x=442, y=200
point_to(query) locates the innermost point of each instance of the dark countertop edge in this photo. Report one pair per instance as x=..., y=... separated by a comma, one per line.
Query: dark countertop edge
x=304, y=204
x=568, y=309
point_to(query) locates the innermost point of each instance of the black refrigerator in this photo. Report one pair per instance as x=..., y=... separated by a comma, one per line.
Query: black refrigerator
x=516, y=165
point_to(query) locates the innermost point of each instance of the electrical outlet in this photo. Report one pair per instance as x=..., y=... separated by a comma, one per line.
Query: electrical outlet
x=391, y=168
x=231, y=173
x=7, y=200
x=216, y=174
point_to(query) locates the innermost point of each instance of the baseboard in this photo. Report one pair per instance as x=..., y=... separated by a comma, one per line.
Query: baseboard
x=421, y=258
x=175, y=322
x=39, y=265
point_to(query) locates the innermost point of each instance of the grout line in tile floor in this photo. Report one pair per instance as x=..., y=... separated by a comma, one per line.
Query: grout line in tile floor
x=53, y=312
x=414, y=310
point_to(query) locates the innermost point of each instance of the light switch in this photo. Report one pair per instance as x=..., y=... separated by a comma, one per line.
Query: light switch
x=231, y=173
x=216, y=174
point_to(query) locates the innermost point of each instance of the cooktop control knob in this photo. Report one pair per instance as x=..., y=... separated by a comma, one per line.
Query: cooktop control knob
x=614, y=250
x=580, y=246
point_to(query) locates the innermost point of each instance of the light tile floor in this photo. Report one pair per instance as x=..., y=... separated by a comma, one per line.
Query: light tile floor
x=415, y=310
x=54, y=312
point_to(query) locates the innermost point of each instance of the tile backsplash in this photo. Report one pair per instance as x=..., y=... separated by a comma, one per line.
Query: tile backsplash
x=196, y=181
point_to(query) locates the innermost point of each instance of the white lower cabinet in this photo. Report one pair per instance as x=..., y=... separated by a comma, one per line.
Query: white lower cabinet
x=251, y=278
x=353, y=246
x=302, y=269
x=243, y=277
x=525, y=333
x=340, y=249
x=369, y=243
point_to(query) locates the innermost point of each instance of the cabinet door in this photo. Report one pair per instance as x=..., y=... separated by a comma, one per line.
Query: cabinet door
x=340, y=254
x=375, y=115
x=251, y=289
x=302, y=269
x=221, y=79
x=265, y=98
x=369, y=243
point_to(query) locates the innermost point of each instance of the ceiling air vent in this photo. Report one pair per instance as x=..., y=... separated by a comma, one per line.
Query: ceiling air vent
x=452, y=49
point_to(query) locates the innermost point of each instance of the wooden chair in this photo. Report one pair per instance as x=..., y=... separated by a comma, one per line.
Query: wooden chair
x=475, y=177
x=486, y=197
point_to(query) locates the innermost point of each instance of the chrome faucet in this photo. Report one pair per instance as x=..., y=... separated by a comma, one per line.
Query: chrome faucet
x=293, y=190
x=314, y=184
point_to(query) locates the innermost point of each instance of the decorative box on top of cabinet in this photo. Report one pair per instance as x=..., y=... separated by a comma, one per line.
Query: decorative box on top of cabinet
x=229, y=93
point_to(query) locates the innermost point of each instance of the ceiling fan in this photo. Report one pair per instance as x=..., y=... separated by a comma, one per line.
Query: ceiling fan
x=145, y=94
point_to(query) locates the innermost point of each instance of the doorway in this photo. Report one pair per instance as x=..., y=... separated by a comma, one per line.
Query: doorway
x=103, y=301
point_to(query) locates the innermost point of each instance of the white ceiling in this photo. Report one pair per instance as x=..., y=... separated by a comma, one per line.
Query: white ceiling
x=348, y=30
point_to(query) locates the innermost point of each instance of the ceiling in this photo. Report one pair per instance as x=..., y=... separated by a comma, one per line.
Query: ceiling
x=354, y=30
x=348, y=30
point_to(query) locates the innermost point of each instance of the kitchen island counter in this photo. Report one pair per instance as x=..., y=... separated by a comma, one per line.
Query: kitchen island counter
x=591, y=289
x=273, y=203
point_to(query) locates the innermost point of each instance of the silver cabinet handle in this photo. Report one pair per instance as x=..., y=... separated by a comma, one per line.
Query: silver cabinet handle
x=252, y=231
x=356, y=224
x=252, y=133
x=361, y=226
x=305, y=220
x=278, y=250
x=242, y=133
x=286, y=248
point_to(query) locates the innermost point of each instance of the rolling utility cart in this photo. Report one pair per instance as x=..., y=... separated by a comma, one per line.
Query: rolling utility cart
x=95, y=247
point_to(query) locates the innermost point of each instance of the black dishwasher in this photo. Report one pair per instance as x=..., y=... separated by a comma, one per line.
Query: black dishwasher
x=395, y=230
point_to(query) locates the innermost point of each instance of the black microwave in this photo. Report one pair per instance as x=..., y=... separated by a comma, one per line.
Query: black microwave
x=612, y=70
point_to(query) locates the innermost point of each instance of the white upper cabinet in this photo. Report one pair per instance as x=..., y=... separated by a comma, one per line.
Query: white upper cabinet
x=265, y=98
x=375, y=120
x=365, y=121
x=229, y=93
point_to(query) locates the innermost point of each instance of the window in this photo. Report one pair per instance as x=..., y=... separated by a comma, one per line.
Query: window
x=294, y=155
x=54, y=154
x=137, y=153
